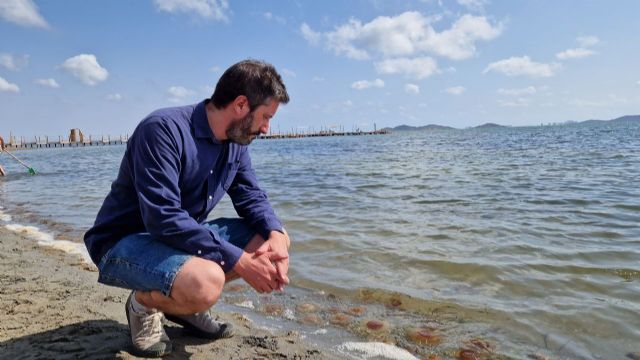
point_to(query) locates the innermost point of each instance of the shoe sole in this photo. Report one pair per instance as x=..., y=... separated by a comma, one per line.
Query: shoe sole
x=139, y=352
x=225, y=331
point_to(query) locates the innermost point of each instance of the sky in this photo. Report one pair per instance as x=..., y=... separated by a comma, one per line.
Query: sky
x=102, y=66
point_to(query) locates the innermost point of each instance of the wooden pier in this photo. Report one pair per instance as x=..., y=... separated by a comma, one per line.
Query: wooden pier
x=77, y=139
x=294, y=135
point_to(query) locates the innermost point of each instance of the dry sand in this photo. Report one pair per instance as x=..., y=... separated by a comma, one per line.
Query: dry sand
x=51, y=307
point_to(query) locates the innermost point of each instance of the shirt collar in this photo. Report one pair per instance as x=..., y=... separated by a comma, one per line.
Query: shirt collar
x=201, y=123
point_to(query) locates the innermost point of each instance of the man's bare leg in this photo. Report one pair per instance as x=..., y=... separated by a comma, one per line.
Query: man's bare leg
x=196, y=288
x=198, y=285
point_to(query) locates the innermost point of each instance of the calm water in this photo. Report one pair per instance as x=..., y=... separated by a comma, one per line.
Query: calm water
x=530, y=234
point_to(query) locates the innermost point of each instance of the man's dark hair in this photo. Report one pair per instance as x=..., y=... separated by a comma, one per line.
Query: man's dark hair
x=257, y=80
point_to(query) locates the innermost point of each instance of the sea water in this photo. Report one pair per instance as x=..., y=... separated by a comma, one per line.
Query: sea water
x=528, y=238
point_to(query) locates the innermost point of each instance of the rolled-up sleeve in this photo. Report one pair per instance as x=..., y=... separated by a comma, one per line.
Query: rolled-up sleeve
x=156, y=167
x=250, y=201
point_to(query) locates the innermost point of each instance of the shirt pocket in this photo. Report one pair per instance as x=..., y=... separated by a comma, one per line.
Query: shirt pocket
x=232, y=170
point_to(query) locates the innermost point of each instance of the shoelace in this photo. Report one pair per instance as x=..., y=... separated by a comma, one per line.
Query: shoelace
x=152, y=323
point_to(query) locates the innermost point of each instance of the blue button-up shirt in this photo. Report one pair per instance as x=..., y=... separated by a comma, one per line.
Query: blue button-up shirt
x=173, y=173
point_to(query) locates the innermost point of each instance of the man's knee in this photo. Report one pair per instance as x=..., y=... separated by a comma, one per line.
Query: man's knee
x=198, y=284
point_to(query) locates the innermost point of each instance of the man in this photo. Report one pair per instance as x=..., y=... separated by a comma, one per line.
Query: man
x=150, y=234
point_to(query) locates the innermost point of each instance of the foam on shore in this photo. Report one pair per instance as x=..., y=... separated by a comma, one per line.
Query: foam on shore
x=375, y=350
x=46, y=239
x=4, y=216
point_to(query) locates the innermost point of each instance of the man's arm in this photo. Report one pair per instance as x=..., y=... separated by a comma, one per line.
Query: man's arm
x=252, y=204
x=250, y=201
x=155, y=164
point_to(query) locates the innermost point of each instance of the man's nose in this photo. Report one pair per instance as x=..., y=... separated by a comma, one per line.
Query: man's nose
x=264, y=128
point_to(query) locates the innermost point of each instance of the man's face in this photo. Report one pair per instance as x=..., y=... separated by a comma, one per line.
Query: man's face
x=242, y=131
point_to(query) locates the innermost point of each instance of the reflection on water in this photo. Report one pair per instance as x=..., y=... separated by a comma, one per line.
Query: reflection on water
x=531, y=234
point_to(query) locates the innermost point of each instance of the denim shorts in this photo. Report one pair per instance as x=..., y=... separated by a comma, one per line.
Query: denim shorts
x=139, y=262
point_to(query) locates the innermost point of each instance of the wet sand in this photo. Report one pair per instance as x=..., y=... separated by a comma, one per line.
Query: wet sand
x=51, y=307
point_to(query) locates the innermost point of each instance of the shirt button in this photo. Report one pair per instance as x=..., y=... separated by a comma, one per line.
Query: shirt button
x=222, y=262
x=199, y=252
x=210, y=171
x=210, y=197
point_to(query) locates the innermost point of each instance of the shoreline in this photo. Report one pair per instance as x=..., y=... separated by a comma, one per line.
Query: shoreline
x=51, y=306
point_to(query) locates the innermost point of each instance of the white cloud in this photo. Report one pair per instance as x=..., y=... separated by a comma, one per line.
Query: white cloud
x=455, y=90
x=14, y=63
x=582, y=51
x=178, y=93
x=22, y=12
x=587, y=41
x=85, y=68
x=412, y=88
x=519, y=102
x=516, y=66
x=114, y=97
x=7, y=86
x=288, y=72
x=311, y=36
x=317, y=79
x=418, y=68
x=407, y=34
x=574, y=53
x=529, y=90
x=50, y=83
x=366, y=84
x=215, y=68
x=208, y=9
x=348, y=103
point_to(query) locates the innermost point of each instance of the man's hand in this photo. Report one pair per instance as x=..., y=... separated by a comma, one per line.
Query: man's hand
x=258, y=270
x=278, y=243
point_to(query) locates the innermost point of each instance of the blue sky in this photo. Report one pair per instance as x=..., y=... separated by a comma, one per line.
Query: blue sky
x=103, y=65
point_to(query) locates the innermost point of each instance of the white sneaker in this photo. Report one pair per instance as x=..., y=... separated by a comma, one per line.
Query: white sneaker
x=147, y=334
x=202, y=325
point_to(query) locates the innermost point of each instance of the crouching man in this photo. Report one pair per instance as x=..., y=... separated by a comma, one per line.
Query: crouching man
x=151, y=234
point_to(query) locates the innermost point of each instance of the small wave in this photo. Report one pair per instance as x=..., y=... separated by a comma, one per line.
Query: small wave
x=46, y=239
x=627, y=207
x=373, y=350
x=4, y=216
x=440, y=201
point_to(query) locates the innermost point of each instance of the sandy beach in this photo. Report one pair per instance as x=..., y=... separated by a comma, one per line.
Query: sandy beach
x=51, y=307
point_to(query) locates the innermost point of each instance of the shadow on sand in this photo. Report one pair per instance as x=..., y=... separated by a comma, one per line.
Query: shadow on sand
x=92, y=339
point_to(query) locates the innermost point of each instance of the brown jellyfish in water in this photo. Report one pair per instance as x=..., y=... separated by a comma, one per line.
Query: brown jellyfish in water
x=340, y=319
x=356, y=311
x=465, y=354
x=235, y=287
x=311, y=319
x=376, y=326
x=424, y=336
x=482, y=344
x=334, y=310
x=395, y=301
x=306, y=308
x=273, y=309
x=367, y=295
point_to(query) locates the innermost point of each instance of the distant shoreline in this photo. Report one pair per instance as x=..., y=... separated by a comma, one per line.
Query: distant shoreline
x=489, y=125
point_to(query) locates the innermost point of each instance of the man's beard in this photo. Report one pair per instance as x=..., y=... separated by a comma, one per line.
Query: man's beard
x=240, y=131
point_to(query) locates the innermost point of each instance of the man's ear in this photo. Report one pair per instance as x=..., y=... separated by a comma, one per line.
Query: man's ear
x=241, y=105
